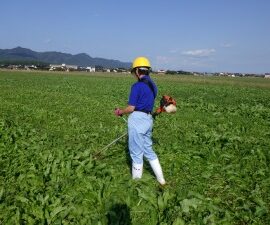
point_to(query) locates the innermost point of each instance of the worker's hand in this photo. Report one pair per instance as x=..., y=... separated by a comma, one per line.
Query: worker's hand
x=118, y=112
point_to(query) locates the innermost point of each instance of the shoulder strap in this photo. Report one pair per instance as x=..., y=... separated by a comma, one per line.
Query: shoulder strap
x=150, y=85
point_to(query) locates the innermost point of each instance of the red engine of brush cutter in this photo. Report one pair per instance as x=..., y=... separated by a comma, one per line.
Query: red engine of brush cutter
x=165, y=101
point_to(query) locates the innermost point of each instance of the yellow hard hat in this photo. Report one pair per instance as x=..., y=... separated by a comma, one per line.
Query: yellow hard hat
x=141, y=62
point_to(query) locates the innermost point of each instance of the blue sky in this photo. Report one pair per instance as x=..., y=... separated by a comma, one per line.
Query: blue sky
x=193, y=35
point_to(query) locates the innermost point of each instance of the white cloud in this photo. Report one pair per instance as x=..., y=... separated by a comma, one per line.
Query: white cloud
x=163, y=59
x=199, y=52
x=226, y=45
x=48, y=40
x=181, y=62
x=173, y=51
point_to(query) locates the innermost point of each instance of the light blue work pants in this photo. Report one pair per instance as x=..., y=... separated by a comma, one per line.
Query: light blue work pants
x=140, y=127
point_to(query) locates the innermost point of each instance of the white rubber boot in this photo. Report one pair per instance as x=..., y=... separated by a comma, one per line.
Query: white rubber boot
x=137, y=170
x=157, y=171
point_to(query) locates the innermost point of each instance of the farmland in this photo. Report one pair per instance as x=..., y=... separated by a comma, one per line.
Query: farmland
x=215, y=151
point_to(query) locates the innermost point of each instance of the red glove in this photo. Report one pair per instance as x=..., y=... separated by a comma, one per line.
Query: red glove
x=118, y=112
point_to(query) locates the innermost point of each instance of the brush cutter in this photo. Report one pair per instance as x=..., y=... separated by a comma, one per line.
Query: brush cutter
x=107, y=146
x=167, y=104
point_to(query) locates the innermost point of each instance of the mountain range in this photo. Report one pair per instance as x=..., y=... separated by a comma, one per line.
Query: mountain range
x=82, y=59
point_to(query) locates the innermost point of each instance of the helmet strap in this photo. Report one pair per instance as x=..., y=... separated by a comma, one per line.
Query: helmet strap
x=137, y=74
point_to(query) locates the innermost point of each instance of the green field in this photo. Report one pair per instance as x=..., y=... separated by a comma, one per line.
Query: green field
x=215, y=151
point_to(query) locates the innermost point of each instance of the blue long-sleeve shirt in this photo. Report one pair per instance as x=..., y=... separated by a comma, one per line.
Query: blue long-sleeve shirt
x=141, y=95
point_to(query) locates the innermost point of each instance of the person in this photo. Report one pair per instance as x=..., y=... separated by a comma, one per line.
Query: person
x=140, y=121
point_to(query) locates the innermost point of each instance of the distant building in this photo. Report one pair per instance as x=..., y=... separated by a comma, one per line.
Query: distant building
x=30, y=67
x=161, y=71
x=55, y=67
x=90, y=69
x=62, y=67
